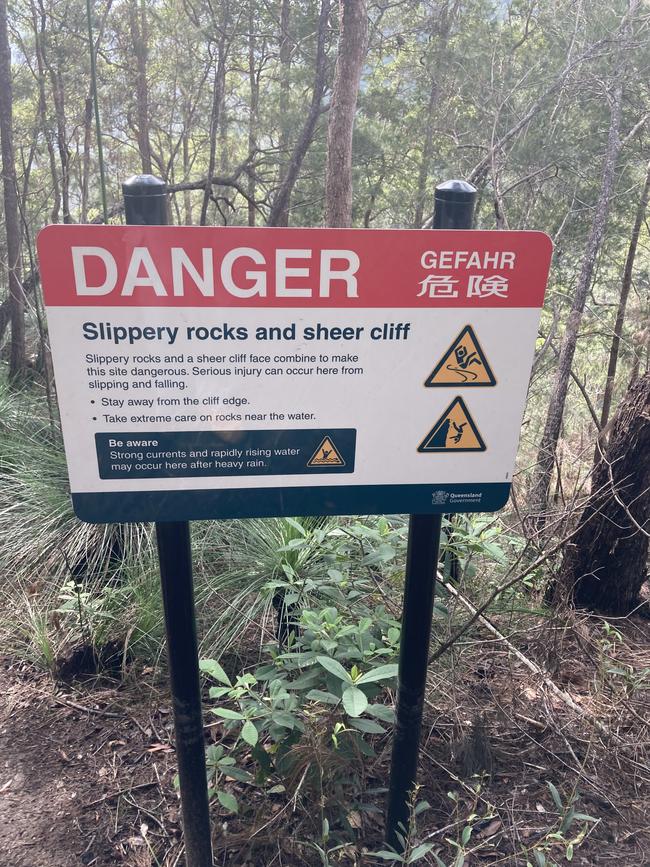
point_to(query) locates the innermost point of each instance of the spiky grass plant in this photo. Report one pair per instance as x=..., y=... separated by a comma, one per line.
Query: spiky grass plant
x=43, y=545
x=242, y=565
x=65, y=581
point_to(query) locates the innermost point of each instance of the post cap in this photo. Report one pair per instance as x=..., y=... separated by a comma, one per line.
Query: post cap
x=144, y=185
x=455, y=191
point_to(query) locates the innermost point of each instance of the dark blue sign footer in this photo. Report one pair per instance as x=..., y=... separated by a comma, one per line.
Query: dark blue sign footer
x=124, y=506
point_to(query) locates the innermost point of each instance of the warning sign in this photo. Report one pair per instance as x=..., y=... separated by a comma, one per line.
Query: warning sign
x=217, y=372
x=464, y=363
x=454, y=431
x=326, y=455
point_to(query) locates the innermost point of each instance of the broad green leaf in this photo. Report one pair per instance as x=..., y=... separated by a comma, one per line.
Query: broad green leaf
x=419, y=852
x=467, y=833
x=584, y=817
x=334, y=668
x=236, y=774
x=362, y=745
x=569, y=852
x=388, y=856
x=249, y=733
x=555, y=795
x=226, y=713
x=228, y=801
x=319, y=695
x=381, y=711
x=354, y=701
x=212, y=667
x=368, y=726
x=305, y=680
x=284, y=718
x=382, y=672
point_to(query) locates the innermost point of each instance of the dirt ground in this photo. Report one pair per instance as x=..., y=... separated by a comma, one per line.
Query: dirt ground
x=80, y=774
x=86, y=771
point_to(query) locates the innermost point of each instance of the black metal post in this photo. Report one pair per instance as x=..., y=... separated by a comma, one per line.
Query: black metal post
x=454, y=209
x=145, y=204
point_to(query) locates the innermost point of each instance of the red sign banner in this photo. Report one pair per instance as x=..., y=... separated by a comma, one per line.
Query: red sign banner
x=167, y=266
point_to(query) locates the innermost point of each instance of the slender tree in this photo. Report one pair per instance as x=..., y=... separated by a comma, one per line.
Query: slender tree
x=441, y=24
x=548, y=444
x=218, y=101
x=626, y=285
x=17, y=362
x=280, y=208
x=282, y=219
x=349, y=63
x=139, y=35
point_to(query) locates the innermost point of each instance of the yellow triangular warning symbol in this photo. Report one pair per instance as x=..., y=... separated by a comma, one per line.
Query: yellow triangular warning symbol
x=464, y=363
x=454, y=431
x=326, y=455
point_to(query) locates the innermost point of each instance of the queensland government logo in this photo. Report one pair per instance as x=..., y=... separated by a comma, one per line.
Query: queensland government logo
x=438, y=498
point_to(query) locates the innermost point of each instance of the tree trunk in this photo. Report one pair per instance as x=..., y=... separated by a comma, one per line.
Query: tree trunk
x=17, y=362
x=620, y=313
x=38, y=23
x=285, y=84
x=85, y=162
x=546, y=453
x=349, y=63
x=187, y=196
x=138, y=22
x=606, y=563
x=280, y=207
x=440, y=32
x=218, y=93
x=58, y=97
x=254, y=84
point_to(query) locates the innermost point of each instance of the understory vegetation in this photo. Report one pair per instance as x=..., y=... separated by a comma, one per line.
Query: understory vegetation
x=528, y=709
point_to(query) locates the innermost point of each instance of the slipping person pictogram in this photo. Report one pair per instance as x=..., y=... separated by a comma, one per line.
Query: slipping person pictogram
x=464, y=363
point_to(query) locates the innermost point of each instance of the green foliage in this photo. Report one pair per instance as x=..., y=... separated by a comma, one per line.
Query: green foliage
x=565, y=835
x=409, y=851
x=311, y=711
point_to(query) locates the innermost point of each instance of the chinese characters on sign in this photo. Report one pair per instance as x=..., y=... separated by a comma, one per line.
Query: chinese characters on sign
x=437, y=285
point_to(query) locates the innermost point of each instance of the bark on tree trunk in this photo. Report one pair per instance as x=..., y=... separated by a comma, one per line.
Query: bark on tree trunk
x=280, y=207
x=606, y=563
x=546, y=453
x=349, y=63
x=17, y=363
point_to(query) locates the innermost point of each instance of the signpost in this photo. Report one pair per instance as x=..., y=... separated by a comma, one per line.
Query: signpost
x=240, y=372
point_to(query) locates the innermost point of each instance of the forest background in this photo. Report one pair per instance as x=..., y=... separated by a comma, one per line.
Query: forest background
x=307, y=114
